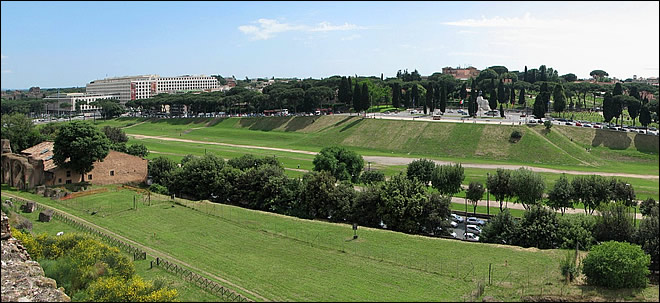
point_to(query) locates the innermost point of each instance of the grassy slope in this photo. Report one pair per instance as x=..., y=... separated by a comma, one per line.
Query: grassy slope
x=285, y=258
x=188, y=292
x=476, y=143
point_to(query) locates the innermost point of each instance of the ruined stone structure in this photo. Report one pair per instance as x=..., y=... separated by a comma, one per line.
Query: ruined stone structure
x=35, y=166
x=23, y=280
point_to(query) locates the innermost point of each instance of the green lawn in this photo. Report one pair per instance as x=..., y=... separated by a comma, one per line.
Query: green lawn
x=289, y=259
x=188, y=292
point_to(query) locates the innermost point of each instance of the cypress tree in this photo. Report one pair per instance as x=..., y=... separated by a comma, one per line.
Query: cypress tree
x=349, y=90
x=415, y=95
x=356, y=98
x=512, y=99
x=525, y=77
x=618, y=89
x=396, y=95
x=341, y=94
x=501, y=96
x=365, y=101
x=539, y=107
x=437, y=96
x=635, y=93
x=463, y=93
x=429, y=97
x=543, y=76
x=492, y=101
x=559, y=98
x=521, y=98
x=443, y=97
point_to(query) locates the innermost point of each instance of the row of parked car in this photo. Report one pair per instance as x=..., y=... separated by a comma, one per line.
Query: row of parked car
x=626, y=128
x=472, y=227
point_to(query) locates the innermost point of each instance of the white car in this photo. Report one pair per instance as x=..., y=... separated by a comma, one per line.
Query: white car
x=454, y=235
x=457, y=218
x=453, y=224
x=474, y=220
x=471, y=228
x=471, y=237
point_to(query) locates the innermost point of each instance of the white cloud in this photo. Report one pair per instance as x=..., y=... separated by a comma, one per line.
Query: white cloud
x=526, y=21
x=267, y=28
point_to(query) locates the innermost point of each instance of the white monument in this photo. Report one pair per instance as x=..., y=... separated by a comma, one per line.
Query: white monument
x=482, y=105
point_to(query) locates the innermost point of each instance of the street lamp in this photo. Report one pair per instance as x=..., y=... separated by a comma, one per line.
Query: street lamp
x=369, y=165
x=487, y=195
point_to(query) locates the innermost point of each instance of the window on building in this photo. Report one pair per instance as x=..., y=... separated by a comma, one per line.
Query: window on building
x=68, y=173
x=112, y=172
x=59, y=180
x=68, y=181
x=89, y=177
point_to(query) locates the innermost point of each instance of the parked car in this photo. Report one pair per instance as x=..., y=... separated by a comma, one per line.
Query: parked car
x=474, y=220
x=457, y=218
x=471, y=237
x=453, y=235
x=453, y=224
x=569, y=123
x=577, y=123
x=586, y=125
x=596, y=126
x=473, y=229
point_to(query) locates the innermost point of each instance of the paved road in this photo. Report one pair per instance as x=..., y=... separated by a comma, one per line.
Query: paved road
x=404, y=161
x=152, y=252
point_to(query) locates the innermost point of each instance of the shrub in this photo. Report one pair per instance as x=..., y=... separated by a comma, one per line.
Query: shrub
x=646, y=206
x=372, y=176
x=568, y=267
x=617, y=265
x=159, y=189
x=501, y=229
x=547, y=124
x=576, y=230
x=614, y=223
x=515, y=136
x=421, y=169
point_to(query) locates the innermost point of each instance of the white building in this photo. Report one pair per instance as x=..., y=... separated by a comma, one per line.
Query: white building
x=74, y=100
x=146, y=86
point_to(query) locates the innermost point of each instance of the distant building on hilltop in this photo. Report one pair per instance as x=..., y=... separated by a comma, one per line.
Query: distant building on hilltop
x=143, y=87
x=75, y=102
x=461, y=73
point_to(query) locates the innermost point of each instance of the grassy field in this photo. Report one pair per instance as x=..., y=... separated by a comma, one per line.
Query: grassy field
x=188, y=292
x=474, y=143
x=289, y=259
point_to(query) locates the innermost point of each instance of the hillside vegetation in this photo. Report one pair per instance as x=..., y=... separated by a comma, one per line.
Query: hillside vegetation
x=563, y=147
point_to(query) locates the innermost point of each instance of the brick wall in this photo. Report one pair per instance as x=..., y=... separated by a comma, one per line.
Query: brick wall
x=125, y=168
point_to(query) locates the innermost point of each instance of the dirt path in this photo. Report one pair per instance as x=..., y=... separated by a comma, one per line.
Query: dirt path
x=150, y=251
x=405, y=161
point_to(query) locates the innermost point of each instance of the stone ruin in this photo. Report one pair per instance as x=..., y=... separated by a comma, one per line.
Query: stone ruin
x=29, y=207
x=23, y=280
x=46, y=215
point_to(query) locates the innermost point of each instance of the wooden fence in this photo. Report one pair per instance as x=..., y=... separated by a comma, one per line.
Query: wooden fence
x=137, y=253
x=200, y=281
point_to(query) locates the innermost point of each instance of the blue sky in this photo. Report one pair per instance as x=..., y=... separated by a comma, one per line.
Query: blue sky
x=63, y=44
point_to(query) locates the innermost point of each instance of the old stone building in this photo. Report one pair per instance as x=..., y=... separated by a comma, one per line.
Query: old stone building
x=35, y=166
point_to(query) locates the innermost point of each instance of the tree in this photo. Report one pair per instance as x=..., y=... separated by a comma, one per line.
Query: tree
x=521, y=99
x=528, y=187
x=547, y=124
x=115, y=134
x=634, y=107
x=644, y=116
x=463, y=93
x=428, y=104
x=82, y=144
x=415, y=95
x=447, y=179
x=619, y=102
x=342, y=163
x=20, y=131
x=538, y=228
x=526, y=77
x=443, y=97
x=367, y=206
x=646, y=206
x=138, y=149
x=543, y=75
x=199, y=177
x=421, y=170
x=161, y=170
x=402, y=204
x=501, y=96
x=614, y=223
x=357, y=96
x=396, y=95
x=433, y=219
x=561, y=195
x=608, y=107
x=559, y=98
x=597, y=74
x=647, y=236
x=539, y=107
x=502, y=229
x=316, y=195
x=512, y=97
x=474, y=193
x=109, y=108
x=372, y=176
x=365, y=101
x=616, y=265
x=569, y=77
x=618, y=89
x=500, y=186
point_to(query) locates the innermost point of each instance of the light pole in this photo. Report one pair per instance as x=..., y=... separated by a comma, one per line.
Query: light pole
x=487, y=195
x=369, y=165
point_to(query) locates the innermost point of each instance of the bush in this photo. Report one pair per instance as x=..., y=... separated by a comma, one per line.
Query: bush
x=617, y=265
x=568, y=267
x=576, y=230
x=372, y=176
x=501, y=229
x=159, y=189
x=421, y=169
x=615, y=223
x=538, y=228
x=547, y=124
x=515, y=136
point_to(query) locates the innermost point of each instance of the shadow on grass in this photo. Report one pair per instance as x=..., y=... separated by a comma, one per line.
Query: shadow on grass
x=611, y=139
x=348, y=126
x=344, y=120
x=646, y=143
